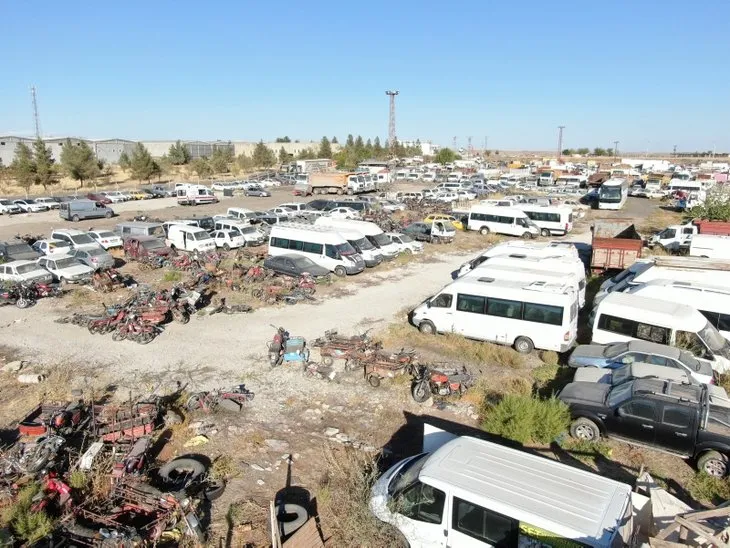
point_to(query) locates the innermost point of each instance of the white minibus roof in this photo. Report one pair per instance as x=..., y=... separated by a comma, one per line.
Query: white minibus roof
x=508, y=288
x=366, y=227
x=564, y=500
x=290, y=230
x=502, y=211
x=564, y=249
x=652, y=311
x=502, y=271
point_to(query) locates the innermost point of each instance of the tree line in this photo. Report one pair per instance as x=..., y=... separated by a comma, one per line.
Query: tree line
x=587, y=151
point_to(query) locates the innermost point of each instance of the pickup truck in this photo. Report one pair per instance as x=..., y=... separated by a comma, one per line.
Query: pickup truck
x=660, y=414
x=678, y=238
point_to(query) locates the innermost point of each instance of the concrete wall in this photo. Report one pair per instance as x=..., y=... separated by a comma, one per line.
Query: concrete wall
x=108, y=150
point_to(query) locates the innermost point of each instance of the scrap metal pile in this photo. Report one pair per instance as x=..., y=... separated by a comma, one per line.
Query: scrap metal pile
x=90, y=470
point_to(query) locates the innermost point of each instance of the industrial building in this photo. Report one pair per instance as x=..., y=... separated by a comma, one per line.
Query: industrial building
x=108, y=150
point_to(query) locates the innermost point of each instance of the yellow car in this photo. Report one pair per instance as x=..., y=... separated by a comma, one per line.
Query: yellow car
x=138, y=195
x=458, y=225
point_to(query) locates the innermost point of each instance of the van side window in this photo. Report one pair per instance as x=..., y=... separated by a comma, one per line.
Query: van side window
x=504, y=308
x=330, y=251
x=490, y=527
x=280, y=242
x=692, y=343
x=422, y=502
x=622, y=326
x=470, y=303
x=652, y=333
x=443, y=300
x=543, y=313
x=296, y=245
x=312, y=248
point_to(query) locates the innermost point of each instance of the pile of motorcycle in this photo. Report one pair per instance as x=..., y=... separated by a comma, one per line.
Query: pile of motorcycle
x=27, y=294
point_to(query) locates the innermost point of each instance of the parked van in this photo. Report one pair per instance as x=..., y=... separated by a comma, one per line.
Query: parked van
x=573, y=181
x=621, y=317
x=501, y=220
x=552, y=220
x=712, y=301
x=323, y=245
x=140, y=229
x=251, y=234
x=525, y=315
x=189, y=238
x=77, y=239
x=370, y=254
x=167, y=224
x=372, y=232
x=491, y=269
x=195, y=195
x=473, y=493
x=710, y=246
x=76, y=210
x=241, y=213
x=204, y=221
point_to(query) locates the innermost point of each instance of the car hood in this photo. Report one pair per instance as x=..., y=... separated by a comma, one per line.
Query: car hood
x=588, y=354
x=591, y=393
x=592, y=374
x=76, y=270
x=25, y=256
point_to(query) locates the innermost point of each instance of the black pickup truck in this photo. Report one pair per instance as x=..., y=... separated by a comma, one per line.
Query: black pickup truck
x=673, y=417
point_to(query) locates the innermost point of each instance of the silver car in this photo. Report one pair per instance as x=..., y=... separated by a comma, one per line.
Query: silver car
x=95, y=258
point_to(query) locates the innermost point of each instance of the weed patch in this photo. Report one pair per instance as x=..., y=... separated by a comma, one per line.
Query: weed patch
x=527, y=419
x=172, y=276
x=549, y=357
x=586, y=451
x=705, y=488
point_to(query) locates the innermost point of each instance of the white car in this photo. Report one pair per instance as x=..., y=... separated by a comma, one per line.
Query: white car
x=404, y=243
x=50, y=202
x=106, y=238
x=66, y=269
x=391, y=206
x=466, y=195
x=30, y=206
x=115, y=196
x=223, y=186
x=126, y=195
x=8, y=208
x=52, y=247
x=447, y=197
x=228, y=239
x=268, y=183
x=343, y=213
x=24, y=271
x=281, y=211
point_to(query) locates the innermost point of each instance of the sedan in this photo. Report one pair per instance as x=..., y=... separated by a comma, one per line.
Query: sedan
x=418, y=231
x=257, y=191
x=228, y=239
x=295, y=265
x=114, y=196
x=457, y=224
x=106, y=238
x=98, y=198
x=343, y=213
x=66, y=269
x=391, y=206
x=222, y=186
x=52, y=247
x=30, y=206
x=50, y=202
x=8, y=207
x=95, y=258
x=614, y=355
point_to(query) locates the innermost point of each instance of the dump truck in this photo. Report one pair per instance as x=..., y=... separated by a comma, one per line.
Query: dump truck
x=616, y=245
x=337, y=182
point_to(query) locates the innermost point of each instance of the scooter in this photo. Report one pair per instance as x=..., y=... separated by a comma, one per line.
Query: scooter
x=277, y=345
x=439, y=382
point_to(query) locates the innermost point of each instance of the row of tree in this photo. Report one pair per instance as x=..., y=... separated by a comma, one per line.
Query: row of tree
x=587, y=152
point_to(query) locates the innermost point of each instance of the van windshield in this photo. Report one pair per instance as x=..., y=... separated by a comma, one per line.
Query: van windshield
x=380, y=239
x=206, y=223
x=202, y=236
x=345, y=249
x=152, y=244
x=82, y=239
x=407, y=475
x=716, y=342
x=362, y=244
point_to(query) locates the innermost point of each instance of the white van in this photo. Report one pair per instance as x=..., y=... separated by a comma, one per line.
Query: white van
x=371, y=231
x=712, y=301
x=250, y=234
x=370, y=254
x=189, y=238
x=241, y=213
x=572, y=181
x=473, y=493
x=525, y=315
x=621, y=317
x=501, y=220
x=520, y=247
x=194, y=195
x=323, y=245
x=492, y=269
x=710, y=246
x=557, y=220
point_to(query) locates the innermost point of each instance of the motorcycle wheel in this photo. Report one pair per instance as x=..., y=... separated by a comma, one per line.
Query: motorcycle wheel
x=22, y=303
x=308, y=290
x=195, y=401
x=93, y=329
x=257, y=293
x=374, y=381
x=420, y=391
x=144, y=338
x=119, y=335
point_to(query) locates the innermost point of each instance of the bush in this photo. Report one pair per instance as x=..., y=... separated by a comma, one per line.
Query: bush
x=526, y=419
x=29, y=525
x=705, y=488
x=172, y=276
x=78, y=480
x=549, y=357
x=545, y=373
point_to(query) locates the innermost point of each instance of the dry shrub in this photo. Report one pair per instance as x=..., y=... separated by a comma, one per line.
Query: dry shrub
x=549, y=357
x=586, y=451
x=545, y=373
x=246, y=512
x=225, y=468
x=709, y=489
x=488, y=391
x=658, y=220
x=527, y=419
x=99, y=477
x=343, y=498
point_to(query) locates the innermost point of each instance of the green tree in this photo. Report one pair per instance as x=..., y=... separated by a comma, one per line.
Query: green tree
x=599, y=152
x=445, y=156
x=377, y=148
x=179, y=154
x=334, y=140
x=263, y=156
x=307, y=154
x=284, y=156
x=23, y=167
x=583, y=151
x=284, y=139
x=245, y=162
x=202, y=167
x=142, y=165
x=220, y=159
x=568, y=152
x=325, y=150
x=79, y=162
x=124, y=161
x=359, y=144
x=350, y=141
x=46, y=173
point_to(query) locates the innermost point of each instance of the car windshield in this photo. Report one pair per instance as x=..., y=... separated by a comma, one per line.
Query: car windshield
x=95, y=252
x=303, y=262
x=66, y=263
x=29, y=201
x=58, y=244
x=716, y=342
x=407, y=475
x=206, y=223
x=248, y=230
x=621, y=374
x=613, y=350
x=363, y=244
x=18, y=248
x=152, y=244
x=405, y=238
x=619, y=394
x=106, y=235
x=202, y=236
x=345, y=249
x=26, y=268
x=381, y=239
x=81, y=239
x=6, y=202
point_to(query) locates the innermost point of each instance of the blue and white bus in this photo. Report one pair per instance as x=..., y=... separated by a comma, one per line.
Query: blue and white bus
x=613, y=194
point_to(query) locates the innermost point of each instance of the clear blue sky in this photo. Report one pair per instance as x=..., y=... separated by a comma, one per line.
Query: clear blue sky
x=650, y=74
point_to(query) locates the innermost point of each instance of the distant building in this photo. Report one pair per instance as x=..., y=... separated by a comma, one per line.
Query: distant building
x=108, y=150
x=427, y=147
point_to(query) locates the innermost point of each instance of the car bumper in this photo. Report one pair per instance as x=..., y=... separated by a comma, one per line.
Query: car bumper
x=259, y=241
x=355, y=269
x=370, y=263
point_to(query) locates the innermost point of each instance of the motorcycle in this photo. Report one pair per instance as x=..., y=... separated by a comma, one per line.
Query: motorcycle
x=231, y=399
x=277, y=345
x=439, y=382
x=223, y=308
x=19, y=295
x=42, y=290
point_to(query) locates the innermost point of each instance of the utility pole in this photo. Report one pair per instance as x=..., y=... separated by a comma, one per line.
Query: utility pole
x=560, y=141
x=486, y=141
x=674, y=153
x=615, y=150
x=36, y=118
x=469, y=149
x=391, y=120
x=454, y=143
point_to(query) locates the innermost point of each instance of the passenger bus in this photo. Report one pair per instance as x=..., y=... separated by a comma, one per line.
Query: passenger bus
x=551, y=220
x=613, y=194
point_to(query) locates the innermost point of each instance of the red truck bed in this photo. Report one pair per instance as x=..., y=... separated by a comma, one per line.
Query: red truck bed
x=616, y=245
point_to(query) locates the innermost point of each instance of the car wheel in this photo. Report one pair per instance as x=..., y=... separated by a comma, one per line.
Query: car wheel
x=527, y=236
x=585, y=429
x=226, y=247
x=713, y=463
x=340, y=271
x=75, y=219
x=427, y=328
x=545, y=232
x=523, y=345
x=484, y=231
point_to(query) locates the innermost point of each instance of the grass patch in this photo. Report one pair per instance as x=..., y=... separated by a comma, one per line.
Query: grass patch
x=549, y=357
x=545, y=373
x=705, y=488
x=78, y=480
x=343, y=496
x=658, y=220
x=586, y=451
x=224, y=468
x=172, y=276
x=29, y=525
x=527, y=419
x=724, y=382
x=488, y=391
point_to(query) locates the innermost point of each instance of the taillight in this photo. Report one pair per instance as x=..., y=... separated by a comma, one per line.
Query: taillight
x=566, y=226
x=105, y=241
x=566, y=337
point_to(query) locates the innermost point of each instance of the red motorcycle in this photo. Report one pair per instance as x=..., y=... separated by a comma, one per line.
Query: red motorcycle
x=42, y=290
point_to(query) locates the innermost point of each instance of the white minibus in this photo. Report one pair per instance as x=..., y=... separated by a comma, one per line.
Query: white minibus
x=520, y=247
x=489, y=269
x=520, y=314
x=621, y=317
x=370, y=254
x=250, y=234
x=557, y=220
x=370, y=230
x=323, y=245
x=712, y=301
x=189, y=238
x=710, y=246
x=501, y=220
x=471, y=493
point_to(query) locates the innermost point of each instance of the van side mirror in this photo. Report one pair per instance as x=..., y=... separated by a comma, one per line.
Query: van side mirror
x=428, y=304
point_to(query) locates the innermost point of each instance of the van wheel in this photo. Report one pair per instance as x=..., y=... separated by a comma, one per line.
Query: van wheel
x=585, y=429
x=545, y=232
x=75, y=219
x=527, y=236
x=523, y=345
x=484, y=231
x=427, y=328
x=340, y=271
x=713, y=463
